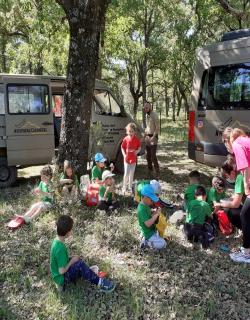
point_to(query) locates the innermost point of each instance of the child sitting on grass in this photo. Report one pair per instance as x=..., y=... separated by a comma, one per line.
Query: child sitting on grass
x=217, y=192
x=194, y=182
x=97, y=170
x=147, y=219
x=43, y=191
x=69, y=181
x=65, y=269
x=198, y=211
x=107, y=200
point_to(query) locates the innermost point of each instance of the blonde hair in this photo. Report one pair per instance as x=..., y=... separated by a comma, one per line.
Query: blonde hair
x=236, y=133
x=132, y=126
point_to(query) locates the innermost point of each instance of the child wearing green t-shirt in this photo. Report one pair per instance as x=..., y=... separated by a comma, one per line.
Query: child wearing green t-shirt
x=65, y=269
x=97, y=170
x=107, y=200
x=44, y=192
x=147, y=219
x=189, y=193
x=197, y=212
x=216, y=193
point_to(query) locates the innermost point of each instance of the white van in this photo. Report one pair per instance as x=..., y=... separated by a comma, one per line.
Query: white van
x=220, y=96
x=30, y=120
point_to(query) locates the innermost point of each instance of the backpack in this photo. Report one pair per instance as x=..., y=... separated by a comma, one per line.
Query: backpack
x=92, y=194
x=162, y=225
x=225, y=225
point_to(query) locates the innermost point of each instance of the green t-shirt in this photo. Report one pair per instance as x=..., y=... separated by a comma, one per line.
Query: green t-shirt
x=102, y=192
x=198, y=210
x=189, y=193
x=144, y=214
x=96, y=173
x=44, y=187
x=74, y=178
x=239, y=184
x=59, y=258
x=140, y=185
x=214, y=195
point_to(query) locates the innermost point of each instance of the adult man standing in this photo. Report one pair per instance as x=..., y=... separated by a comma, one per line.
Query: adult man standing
x=151, y=137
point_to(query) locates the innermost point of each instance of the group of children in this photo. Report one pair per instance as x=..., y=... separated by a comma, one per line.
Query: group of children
x=199, y=204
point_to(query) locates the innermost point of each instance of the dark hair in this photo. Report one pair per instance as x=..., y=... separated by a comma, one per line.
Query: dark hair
x=46, y=171
x=194, y=174
x=200, y=191
x=63, y=225
x=227, y=167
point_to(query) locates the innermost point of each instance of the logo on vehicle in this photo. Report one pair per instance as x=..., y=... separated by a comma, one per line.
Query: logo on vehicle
x=229, y=123
x=28, y=127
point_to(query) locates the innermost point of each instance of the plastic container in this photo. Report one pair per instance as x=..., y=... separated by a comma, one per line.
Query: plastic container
x=92, y=195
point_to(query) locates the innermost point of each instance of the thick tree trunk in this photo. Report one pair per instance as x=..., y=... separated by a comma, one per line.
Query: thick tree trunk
x=84, y=19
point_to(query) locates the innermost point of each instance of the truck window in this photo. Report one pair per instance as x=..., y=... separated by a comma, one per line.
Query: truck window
x=203, y=91
x=229, y=87
x=2, y=109
x=57, y=102
x=106, y=102
x=26, y=99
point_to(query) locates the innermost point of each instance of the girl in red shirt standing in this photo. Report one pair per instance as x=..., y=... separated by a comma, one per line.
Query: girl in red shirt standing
x=130, y=148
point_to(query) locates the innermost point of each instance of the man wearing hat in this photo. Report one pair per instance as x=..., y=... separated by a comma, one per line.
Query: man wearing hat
x=107, y=199
x=147, y=219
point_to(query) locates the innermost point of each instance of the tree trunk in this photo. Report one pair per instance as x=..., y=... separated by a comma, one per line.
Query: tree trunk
x=144, y=88
x=174, y=103
x=3, y=54
x=166, y=97
x=84, y=19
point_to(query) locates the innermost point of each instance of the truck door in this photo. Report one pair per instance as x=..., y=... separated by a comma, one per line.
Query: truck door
x=29, y=121
x=110, y=122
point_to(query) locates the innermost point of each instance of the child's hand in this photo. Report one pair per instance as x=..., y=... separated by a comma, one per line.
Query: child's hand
x=36, y=191
x=74, y=259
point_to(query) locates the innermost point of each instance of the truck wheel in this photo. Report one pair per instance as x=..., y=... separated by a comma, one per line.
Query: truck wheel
x=119, y=166
x=8, y=174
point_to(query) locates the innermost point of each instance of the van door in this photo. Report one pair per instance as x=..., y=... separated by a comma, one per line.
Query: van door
x=29, y=121
x=109, y=123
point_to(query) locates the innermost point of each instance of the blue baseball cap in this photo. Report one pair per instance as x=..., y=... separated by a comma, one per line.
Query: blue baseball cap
x=148, y=191
x=99, y=158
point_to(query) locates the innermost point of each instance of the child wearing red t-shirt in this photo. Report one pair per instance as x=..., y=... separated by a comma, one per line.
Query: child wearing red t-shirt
x=130, y=148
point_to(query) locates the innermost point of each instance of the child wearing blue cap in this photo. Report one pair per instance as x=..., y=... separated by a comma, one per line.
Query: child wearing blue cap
x=147, y=219
x=97, y=170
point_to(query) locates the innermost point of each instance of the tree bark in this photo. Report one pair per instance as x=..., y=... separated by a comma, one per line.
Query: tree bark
x=84, y=18
x=239, y=14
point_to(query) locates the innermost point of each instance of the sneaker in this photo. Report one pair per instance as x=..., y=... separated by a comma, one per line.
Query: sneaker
x=240, y=257
x=106, y=285
x=144, y=244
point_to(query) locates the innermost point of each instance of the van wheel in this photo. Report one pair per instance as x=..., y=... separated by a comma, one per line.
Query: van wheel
x=119, y=165
x=8, y=175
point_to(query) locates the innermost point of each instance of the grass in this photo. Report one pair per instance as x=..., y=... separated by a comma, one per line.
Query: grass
x=177, y=283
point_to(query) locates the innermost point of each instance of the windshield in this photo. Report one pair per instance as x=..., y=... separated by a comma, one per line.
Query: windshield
x=228, y=87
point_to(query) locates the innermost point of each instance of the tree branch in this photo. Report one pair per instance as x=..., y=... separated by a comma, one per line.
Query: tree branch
x=239, y=14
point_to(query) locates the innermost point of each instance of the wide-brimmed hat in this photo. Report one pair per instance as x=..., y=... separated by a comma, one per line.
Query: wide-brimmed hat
x=107, y=174
x=148, y=191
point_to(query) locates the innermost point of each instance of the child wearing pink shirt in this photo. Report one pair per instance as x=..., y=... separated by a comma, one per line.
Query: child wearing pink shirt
x=240, y=144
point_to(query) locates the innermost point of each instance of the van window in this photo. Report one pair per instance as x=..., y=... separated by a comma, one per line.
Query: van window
x=28, y=98
x=57, y=102
x=229, y=87
x=106, y=102
x=203, y=91
x=2, y=109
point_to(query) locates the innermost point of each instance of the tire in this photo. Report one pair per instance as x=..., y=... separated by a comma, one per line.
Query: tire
x=119, y=166
x=8, y=175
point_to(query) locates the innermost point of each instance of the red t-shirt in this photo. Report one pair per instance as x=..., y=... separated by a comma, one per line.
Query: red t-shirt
x=130, y=145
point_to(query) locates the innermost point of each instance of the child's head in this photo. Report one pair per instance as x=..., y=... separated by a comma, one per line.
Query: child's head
x=194, y=177
x=219, y=184
x=200, y=192
x=156, y=186
x=100, y=160
x=107, y=177
x=236, y=133
x=228, y=170
x=46, y=173
x=67, y=168
x=130, y=129
x=148, y=195
x=64, y=225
